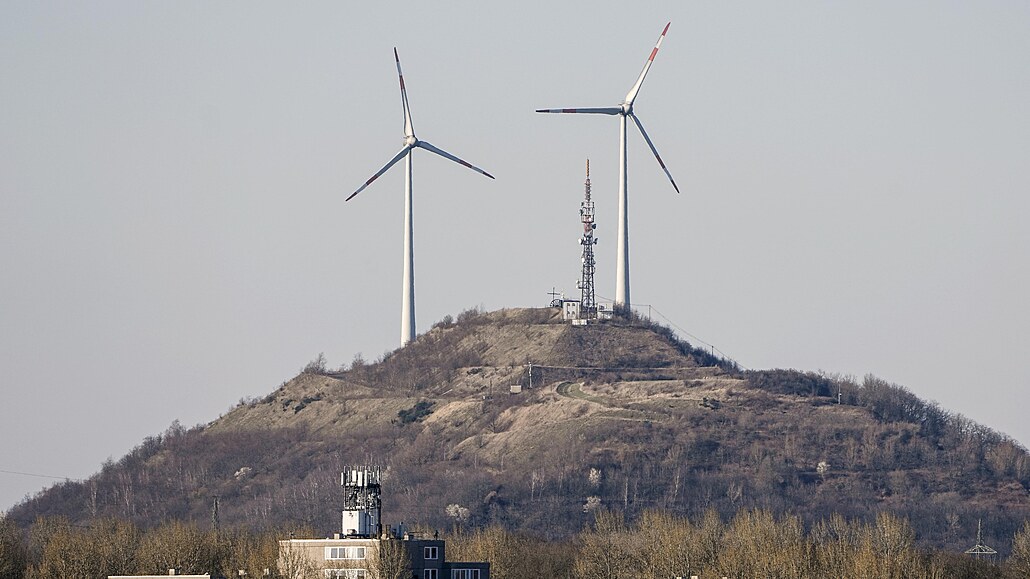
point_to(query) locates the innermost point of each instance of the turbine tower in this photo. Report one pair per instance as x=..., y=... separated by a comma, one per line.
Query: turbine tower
x=624, y=110
x=410, y=143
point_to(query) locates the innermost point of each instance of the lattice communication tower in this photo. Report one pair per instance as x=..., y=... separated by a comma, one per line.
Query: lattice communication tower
x=588, y=302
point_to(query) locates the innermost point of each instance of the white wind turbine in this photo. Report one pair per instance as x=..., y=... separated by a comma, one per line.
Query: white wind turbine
x=410, y=143
x=624, y=110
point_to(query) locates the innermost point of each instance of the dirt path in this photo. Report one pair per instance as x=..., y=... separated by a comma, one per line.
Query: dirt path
x=616, y=411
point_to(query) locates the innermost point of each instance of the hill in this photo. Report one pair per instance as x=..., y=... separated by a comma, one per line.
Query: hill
x=621, y=415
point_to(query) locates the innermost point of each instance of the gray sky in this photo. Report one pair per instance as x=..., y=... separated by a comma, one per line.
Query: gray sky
x=173, y=232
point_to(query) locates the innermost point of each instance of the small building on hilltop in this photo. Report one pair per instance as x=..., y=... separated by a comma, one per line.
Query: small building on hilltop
x=365, y=549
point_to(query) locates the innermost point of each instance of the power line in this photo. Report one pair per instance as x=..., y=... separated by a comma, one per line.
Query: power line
x=685, y=333
x=673, y=324
x=67, y=478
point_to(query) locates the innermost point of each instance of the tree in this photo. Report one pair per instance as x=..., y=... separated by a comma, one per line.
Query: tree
x=511, y=556
x=67, y=552
x=252, y=552
x=493, y=544
x=1019, y=560
x=459, y=513
x=390, y=560
x=757, y=545
x=894, y=542
x=295, y=564
x=605, y=553
x=180, y=546
x=665, y=546
x=316, y=366
x=13, y=552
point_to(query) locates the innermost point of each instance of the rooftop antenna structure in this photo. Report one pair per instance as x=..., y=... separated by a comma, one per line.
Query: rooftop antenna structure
x=588, y=302
x=410, y=144
x=624, y=111
x=979, y=550
x=362, y=500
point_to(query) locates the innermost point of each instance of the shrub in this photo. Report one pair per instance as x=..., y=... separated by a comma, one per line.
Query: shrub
x=416, y=413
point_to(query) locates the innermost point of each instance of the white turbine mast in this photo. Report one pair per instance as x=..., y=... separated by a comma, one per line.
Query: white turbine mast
x=624, y=110
x=410, y=143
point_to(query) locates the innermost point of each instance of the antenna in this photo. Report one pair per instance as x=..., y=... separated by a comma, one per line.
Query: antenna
x=555, y=295
x=588, y=302
x=362, y=500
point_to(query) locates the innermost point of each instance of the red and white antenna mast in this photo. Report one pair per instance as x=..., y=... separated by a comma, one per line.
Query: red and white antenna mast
x=588, y=302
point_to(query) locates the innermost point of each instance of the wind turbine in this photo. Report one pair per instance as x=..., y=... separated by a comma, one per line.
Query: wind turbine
x=410, y=143
x=624, y=110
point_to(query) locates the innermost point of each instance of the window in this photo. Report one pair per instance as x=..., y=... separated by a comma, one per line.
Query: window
x=431, y=553
x=430, y=573
x=345, y=574
x=465, y=574
x=332, y=553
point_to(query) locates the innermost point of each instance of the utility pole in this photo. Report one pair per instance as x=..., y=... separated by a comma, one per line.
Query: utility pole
x=214, y=514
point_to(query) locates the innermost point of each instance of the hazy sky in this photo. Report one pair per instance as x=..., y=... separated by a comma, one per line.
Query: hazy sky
x=174, y=237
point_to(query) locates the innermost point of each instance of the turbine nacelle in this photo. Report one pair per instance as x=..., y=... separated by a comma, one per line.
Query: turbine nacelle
x=410, y=141
x=627, y=108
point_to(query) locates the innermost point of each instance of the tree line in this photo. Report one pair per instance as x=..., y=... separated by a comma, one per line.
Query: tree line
x=753, y=543
x=658, y=544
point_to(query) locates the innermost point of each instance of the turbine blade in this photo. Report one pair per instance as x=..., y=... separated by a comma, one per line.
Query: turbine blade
x=632, y=94
x=446, y=155
x=595, y=111
x=655, y=151
x=409, y=131
x=392, y=162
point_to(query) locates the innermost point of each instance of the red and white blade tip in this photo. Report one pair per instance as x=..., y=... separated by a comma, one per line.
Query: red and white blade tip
x=654, y=51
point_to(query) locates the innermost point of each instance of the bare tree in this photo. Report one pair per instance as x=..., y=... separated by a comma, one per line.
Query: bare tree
x=294, y=563
x=664, y=546
x=1019, y=560
x=67, y=552
x=605, y=553
x=181, y=546
x=390, y=560
x=13, y=553
x=252, y=552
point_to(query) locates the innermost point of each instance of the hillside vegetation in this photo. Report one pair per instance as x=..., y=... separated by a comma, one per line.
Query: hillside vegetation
x=617, y=416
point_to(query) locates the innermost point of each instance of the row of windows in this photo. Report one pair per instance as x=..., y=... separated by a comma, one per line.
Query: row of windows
x=345, y=574
x=344, y=553
x=429, y=553
x=455, y=574
x=427, y=574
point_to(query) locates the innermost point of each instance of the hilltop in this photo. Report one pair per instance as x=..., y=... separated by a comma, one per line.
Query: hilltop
x=622, y=415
